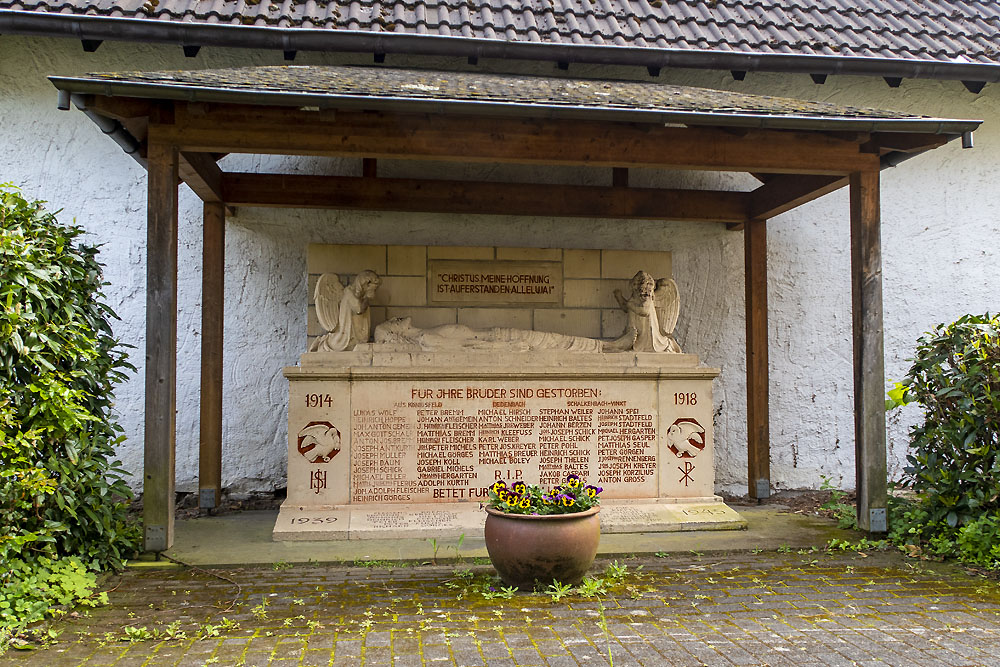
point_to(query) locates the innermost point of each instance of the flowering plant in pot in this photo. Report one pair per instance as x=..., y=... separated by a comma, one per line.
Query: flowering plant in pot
x=535, y=535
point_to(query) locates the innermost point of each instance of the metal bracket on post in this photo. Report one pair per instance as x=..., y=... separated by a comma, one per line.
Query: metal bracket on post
x=207, y=499
x=877, y=520
x=763, y=489
x=155, y=538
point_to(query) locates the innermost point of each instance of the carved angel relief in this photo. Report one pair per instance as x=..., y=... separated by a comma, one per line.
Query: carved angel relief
x=652, y=311
x=343, y=311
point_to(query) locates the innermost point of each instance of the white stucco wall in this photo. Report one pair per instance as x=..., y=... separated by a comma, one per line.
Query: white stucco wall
x=940, y=231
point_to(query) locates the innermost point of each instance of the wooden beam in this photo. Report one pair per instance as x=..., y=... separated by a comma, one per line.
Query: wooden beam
x=438, y=196
x=161, y=347
x=213, y=272
x=847, y=135
x=869, y=360
x=758, y=432
x=785, y=192
x=120, y=108
x=905, y=142
x=512, y=140
x=202, y=174
x=619, y=177
x=369, y=167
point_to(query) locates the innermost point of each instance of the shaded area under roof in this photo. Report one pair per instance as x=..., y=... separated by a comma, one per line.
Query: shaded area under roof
x=908, y=38
x=497, y=94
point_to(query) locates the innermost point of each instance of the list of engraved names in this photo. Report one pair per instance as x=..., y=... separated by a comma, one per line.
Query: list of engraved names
x=448, y=441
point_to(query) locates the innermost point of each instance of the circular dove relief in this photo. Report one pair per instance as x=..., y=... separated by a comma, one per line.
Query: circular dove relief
x=686, y=438
x=319, y=442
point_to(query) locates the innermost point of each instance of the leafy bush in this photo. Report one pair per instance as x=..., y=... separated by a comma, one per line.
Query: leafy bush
x=35, y=586
x=61, y=492
x=954, y=459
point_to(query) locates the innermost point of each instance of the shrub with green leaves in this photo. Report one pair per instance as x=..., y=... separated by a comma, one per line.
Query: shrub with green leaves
x=62, y=493
x=954, y=459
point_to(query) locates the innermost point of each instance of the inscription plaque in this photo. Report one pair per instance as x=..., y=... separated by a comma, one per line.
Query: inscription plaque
x=448, y=441
x=493, y=282
x=405, y=444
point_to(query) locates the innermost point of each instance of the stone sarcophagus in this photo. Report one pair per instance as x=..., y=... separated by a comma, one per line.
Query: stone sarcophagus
x=399, y=437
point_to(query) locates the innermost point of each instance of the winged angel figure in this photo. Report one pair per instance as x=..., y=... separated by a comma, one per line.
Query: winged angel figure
x=343, y=312
x=652, y=310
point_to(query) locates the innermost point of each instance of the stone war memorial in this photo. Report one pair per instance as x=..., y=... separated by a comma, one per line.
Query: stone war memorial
x=432, y=372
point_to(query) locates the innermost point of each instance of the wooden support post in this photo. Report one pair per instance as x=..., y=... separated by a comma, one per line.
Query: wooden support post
x=210, y=449
x=758, y=436
x=869, y=361
x=161, y=347
x=369, y=167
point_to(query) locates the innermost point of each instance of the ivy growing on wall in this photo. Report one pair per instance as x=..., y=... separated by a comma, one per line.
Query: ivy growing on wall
x=63, y=498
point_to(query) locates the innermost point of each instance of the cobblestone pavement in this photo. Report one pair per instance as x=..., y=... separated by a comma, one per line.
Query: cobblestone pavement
x=806, y=608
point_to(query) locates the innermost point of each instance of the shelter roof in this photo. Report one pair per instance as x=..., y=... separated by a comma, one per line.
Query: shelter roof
x=920, y=38
x=498, y=94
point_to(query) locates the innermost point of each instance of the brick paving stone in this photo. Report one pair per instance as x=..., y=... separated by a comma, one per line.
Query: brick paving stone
x=377, y=639
x=550, y=647
x=131, y=661
x=256, y=658
x=834, y=659
x=436, y=652
x=769, y=609
x=526, y=657
x=376, y=654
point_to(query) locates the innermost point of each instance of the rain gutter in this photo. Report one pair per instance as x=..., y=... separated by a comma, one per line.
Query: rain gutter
x=196, y=34
x=189, y=93
x=109, y=126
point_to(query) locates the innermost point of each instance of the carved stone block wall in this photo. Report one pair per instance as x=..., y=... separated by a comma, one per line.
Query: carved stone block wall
x=580, y=298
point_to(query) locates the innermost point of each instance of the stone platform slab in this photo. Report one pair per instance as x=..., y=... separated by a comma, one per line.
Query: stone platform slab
x=435, y=520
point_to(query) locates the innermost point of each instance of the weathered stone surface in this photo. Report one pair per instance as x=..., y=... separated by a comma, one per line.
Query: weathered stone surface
x=403, y=429
x=494, y=282
x=454, y=519
x=577, y=300
x=402, y=436
x=342, y=312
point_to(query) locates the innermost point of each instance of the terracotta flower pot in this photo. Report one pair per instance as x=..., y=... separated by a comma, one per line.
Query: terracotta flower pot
x=529, y=548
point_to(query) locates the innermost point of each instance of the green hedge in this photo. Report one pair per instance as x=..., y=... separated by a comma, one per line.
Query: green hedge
x=954, y=458
x=62, y=494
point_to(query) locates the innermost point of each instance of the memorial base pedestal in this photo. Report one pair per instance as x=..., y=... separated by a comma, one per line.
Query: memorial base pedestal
x=388, y=443
x=438, y=520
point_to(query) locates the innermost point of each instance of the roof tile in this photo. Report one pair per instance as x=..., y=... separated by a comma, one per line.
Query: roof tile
x=931, y=30
x=374, y=83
